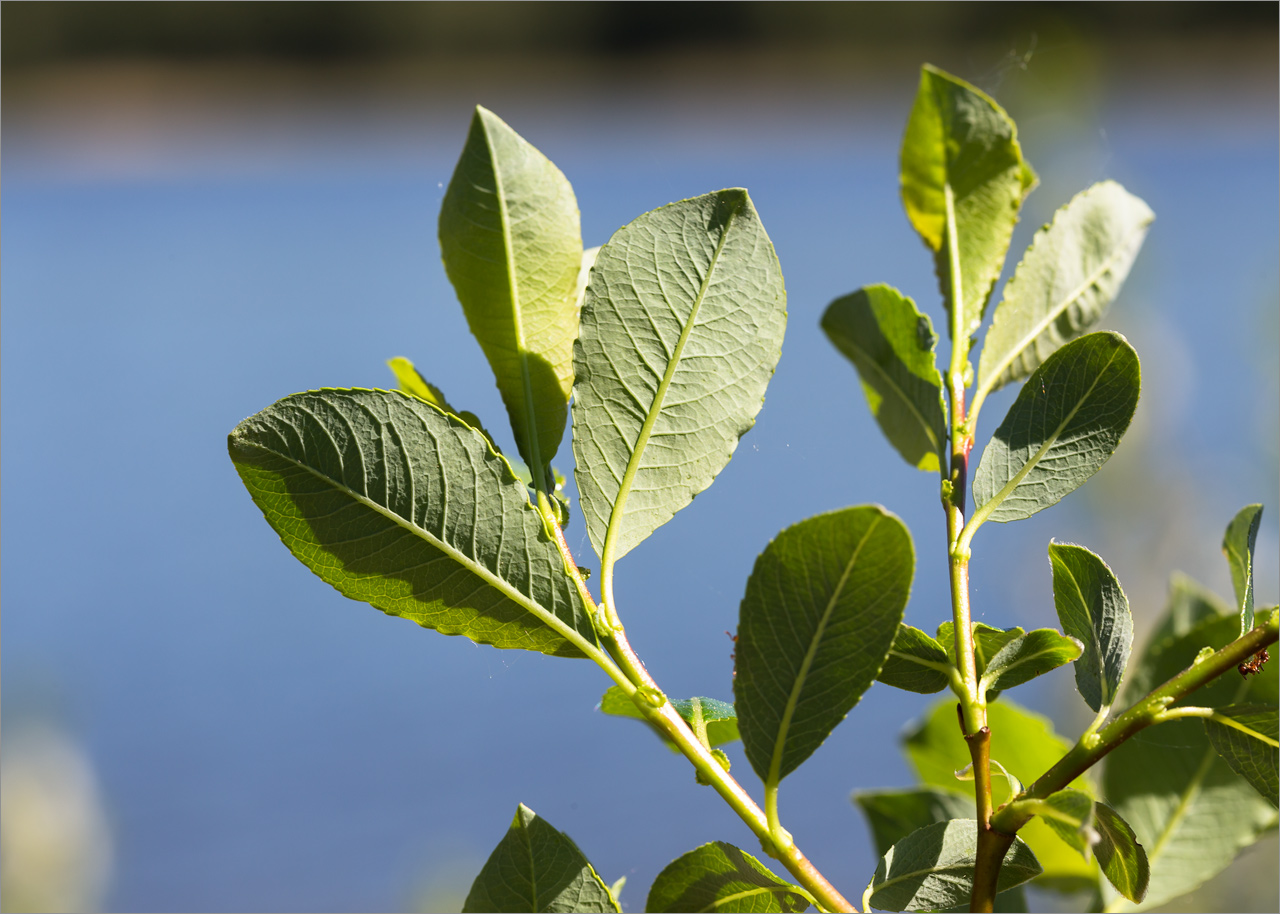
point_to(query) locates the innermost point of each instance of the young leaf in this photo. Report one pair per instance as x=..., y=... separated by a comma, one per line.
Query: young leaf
x=933, y=868
x=681, y=330
x=892, y=346
x=916, y=663
x=718, y=717
x=1026, y=745
x=1248, y=744
x=1028, y=656
x=1092, y=607
x=987, y=641
x=1122, y=859
x=893, y=814
x=720, y=877
x=512, y=248
x=407, y=508
x=1069, y=815
x=537, y=868
x=1237, y=546
x=1070, y=274
x=962, y=167
x=413, y=383
x=821, y=610
x=1186, y=805
x=1066, y=422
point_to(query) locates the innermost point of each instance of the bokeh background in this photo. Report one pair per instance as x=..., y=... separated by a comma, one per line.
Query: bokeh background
x=209, y=206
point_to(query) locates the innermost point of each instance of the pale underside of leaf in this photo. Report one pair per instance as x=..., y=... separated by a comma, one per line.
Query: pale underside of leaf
x=399, y=505
x=1093, y=608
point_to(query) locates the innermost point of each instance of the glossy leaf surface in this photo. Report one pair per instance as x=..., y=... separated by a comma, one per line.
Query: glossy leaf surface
x=406, y=508
x=1071, y=273
x=681, y=329
x=1249, y=747
x=916, y=663
x=537, y=868
x=720, y=877
x=962, y=166
x=892, y=345
x=933, y=868
x=718, y=717
x=1092, y=607
x=1237, y=546
x=1028, y=656
x=821, y=609
x=512, y=248
x=1065, y=424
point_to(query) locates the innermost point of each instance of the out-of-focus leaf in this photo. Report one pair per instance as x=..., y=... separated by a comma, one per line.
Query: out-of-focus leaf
x=892, y=345
x=1092, y=607
x=1249, y=746
x=719, y=877
x=1067, y=421
x=1237, y=546
x=681, y=329
x=821, y=610
x=893, y=814
x=718, y=717
x=916, y=663
x=537, y=868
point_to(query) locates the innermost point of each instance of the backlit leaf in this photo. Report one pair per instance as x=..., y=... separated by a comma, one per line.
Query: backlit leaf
x=718, y=717
x=1028, y=656
x=892, y=346
x=1069, y=276
x=1249, y=747
x=1092, y=607
x=1122, y=859
x=720, y=877
x=916, y=663
x=821, y=609
x=512, y=248
x=681, y=329
x=893, y=814
x=933, y=868
x=1065, y=424
x=404, y=507
x=962, y=165
x=537, y=868
x=1237, y=546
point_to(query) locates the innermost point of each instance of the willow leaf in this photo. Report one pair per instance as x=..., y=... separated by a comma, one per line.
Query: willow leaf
x=512, y=248
x=821, y=610
x=1067, y=421
x=1071, y=273
x=1028, y=656
x=892, y=345
x=916, y=663
x=681, y=330
x=537, y=868
x=1237, y=546
x=1245, y=736
x=409, y=509
x=717, y=717
x=1092, y=607
x=962, y=167
x=722, y=878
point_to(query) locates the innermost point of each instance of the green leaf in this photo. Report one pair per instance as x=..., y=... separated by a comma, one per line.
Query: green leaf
x=1248, y=744
x=512, y=248
x=1069, y=813
x=718, y=717
x=681, y=330
x=892, y=346
x=1025, y=744
x=1066, y=422
x=916, y=663
x=962, y=165
x=1092, y=607
x=413, y=383
x=821, y=610
x=1069, y=276
x=1122, y=859
x=1237, y=546
x=987, y=642
x=1186, y=805
x=1188, y=605
x=720, y=877
x=1028, y=656
x=933, y=868
x=407, y=508
x=893, y=814
x=537, y=868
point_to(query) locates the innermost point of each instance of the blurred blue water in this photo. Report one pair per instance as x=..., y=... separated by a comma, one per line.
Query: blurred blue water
x=266, y=744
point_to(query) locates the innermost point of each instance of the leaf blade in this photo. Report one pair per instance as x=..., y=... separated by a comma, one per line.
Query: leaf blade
x=1237, y=546
x=891, y=344
x=1028, y=656
x=1070, y=274
x=916, y=663
x=719, y=717
x=380, y=495
x=1244, y=748
x=821, y=609
x=1066, y=422
x=512, y=248
x=1092, y=606
x=720, y=877
x=694, y=289
x=537, y=868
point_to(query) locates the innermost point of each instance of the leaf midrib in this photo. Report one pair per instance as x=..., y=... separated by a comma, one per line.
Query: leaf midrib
x=937, y=448
x=723, y=900
x=542, y=614
x=1021, y=661
x=651, y=418
x=1106, y=694
x=784, y=726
